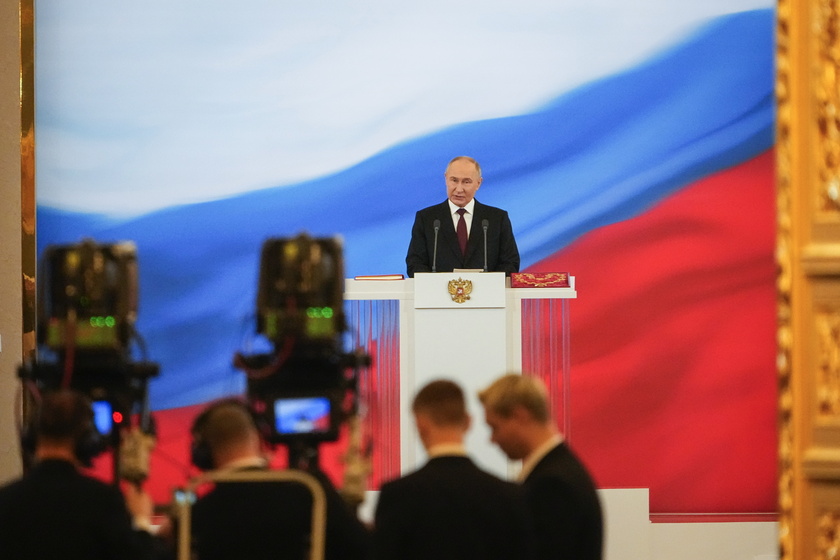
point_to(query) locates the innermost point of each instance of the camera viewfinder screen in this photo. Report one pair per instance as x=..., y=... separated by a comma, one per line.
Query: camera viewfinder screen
x=302, y=415
x=103, y=417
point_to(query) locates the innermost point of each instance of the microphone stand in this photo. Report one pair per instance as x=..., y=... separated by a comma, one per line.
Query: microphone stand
x=485, y=224
x=434, y=253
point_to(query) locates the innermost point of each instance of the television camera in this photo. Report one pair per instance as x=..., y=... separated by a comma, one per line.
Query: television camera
x=87, y=308
x=306, y=387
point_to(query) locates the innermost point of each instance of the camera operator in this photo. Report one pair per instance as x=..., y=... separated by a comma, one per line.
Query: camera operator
x=258, y=520
x=55, y=511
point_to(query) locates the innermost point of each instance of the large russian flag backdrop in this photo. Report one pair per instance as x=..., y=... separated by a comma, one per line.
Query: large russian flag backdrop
x=646, y=172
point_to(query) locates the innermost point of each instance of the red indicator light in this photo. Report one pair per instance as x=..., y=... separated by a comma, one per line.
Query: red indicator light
x=118, y=417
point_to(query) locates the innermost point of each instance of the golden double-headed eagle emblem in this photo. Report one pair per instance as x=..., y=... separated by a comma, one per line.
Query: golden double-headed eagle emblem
x=460, y=290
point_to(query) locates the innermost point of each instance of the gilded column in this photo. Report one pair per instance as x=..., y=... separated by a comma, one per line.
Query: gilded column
x=27, y=173
x=808, y=257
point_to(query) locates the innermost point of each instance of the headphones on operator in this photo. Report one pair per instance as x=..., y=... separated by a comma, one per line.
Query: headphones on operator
x=201, y=454
x=52, y=418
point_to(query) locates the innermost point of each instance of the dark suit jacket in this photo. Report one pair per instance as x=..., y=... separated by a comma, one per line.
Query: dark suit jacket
x=54, y=512
x=565, y=506
x=451, y=510
x=502, y=254
x=271, y=520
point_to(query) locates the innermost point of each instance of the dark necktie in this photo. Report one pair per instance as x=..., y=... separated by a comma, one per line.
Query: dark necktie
x=462, y=231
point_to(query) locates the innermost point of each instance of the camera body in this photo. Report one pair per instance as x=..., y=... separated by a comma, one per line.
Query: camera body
x=87, y=296
x=305, y=388
x=87, y=308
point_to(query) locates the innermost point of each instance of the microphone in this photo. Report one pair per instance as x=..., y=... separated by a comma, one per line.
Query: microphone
x=485, y=224
x=434, y=254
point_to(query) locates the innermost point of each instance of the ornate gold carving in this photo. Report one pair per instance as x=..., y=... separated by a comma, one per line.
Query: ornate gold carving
x=828, y=536
x=828, y=380
x=460, y=290
x=784, y=261
x=27, y=173
x=827, y=101
x=808, y=165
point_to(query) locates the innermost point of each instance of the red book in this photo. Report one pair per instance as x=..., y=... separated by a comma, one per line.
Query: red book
x=539, y=280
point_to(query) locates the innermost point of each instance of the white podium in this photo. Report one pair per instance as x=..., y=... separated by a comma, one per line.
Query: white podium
x=423, y=328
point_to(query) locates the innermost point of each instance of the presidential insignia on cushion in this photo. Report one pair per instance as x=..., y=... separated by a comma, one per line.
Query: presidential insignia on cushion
x=539, y=280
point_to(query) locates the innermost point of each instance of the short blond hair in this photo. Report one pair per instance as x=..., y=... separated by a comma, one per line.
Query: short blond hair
x=514, y=390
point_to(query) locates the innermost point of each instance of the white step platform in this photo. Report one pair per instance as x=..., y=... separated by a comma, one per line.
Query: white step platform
x=630, y=535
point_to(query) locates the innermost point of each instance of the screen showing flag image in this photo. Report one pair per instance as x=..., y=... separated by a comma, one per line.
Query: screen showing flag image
x=302, y=415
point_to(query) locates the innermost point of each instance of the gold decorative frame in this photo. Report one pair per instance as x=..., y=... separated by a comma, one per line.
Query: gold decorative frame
x=784, y=261
x=828, y=535
x=827, y=99
x=828, y=363
x=808, y=281
x=27, y=173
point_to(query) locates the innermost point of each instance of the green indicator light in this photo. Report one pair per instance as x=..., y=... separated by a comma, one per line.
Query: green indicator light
x=93, y=321
x=327, y=312
x=110, y=321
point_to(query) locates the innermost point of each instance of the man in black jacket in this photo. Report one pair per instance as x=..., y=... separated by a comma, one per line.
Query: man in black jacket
x=55, y=511
x=560, y=492
x=449, y=509
x=438, y=246
x=260, y=520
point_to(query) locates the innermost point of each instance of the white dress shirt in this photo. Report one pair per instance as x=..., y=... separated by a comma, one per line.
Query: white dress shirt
x=447, y=449
x=468, y=215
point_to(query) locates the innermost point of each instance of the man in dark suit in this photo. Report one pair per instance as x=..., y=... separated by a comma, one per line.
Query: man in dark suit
x=478, y=221
x=260, y=520
x=560, y=492
x=55, y=511
x=449, y=509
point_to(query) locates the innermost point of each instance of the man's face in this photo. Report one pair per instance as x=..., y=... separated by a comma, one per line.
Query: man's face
x=462, y=181
x=506, y=433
